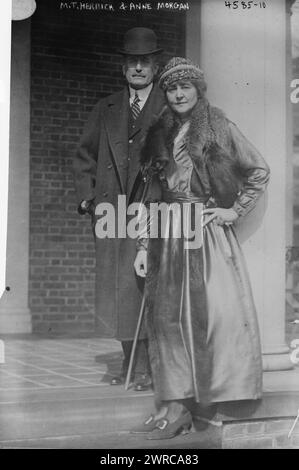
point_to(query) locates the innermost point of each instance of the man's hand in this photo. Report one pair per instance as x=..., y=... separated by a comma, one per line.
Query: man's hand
x=220, y=215
x=86, y=207
x=140, y=263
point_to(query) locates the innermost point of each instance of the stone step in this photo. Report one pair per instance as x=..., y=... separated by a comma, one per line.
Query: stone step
x=94, y=417
x=208, y=439
x=101, y=417
x=52, y=394
x=63, y=412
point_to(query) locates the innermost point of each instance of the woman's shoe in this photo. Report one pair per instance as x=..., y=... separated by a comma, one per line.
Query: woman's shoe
x=166, y=430
x=148, y=426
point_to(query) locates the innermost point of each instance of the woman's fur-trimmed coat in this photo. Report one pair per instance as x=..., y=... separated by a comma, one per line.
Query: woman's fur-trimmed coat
x=203, y=343
x=237, y=172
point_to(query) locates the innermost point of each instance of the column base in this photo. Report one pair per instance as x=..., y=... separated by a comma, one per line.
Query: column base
x=277, y=360
x=15, y=321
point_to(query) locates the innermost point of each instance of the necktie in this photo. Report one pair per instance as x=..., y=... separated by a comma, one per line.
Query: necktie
x=135, y=107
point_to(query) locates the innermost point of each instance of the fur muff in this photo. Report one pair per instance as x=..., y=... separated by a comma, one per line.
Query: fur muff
x=208, y=143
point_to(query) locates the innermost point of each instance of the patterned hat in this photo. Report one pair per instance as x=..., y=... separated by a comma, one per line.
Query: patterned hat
x=179, y=68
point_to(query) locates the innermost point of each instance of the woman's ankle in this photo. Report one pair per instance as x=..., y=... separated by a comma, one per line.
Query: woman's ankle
x=175, y=410
x=161, y=412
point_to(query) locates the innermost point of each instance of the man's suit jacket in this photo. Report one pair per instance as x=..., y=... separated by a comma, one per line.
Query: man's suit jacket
x=102, y=172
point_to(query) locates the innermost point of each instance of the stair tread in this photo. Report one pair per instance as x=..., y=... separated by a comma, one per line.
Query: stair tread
x=208, y=439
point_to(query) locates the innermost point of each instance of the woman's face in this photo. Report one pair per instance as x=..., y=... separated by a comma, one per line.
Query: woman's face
x=182, y=97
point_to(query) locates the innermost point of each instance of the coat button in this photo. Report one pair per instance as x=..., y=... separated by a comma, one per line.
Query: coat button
x=109, y=166
x=130, y=141
x=105, y=194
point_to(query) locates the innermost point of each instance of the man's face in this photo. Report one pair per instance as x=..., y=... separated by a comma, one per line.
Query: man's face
x=140, y=70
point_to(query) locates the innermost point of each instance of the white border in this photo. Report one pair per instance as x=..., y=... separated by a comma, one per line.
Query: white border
x=5, y=52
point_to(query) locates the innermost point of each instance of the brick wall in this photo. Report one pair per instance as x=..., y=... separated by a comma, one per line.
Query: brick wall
x=73, y=65
x=263, y=434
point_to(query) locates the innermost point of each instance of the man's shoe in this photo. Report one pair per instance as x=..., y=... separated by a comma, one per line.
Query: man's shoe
x=142, y=383
x=117, y=380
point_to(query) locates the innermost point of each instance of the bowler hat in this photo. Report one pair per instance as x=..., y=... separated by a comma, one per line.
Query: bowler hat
x=140, y=41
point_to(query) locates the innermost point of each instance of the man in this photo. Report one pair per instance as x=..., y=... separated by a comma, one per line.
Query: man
x=106, y=166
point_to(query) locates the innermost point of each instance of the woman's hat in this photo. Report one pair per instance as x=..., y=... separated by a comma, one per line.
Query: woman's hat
x=140, y=41
x=179, y=68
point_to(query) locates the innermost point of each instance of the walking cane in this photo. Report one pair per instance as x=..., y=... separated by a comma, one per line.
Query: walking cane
x=129, y=373
x=141, y=312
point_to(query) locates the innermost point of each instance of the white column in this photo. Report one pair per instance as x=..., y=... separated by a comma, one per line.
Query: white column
x=14, y=312
x=5, y=34
x=243, y=55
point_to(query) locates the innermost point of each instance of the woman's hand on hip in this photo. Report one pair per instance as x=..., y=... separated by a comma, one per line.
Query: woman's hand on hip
x=140, y=263
x=220, y=216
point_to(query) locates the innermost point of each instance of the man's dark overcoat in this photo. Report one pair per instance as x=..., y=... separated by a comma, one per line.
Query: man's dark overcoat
x=107, y=164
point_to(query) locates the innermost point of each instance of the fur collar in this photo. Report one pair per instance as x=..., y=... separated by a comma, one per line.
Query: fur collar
x=208, y=142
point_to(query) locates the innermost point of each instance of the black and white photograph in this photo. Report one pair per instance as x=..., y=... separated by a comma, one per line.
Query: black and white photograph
x=149, y=258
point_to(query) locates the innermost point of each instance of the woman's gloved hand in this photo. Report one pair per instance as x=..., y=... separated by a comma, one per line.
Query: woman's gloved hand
x=220, y=216
x=140, y=263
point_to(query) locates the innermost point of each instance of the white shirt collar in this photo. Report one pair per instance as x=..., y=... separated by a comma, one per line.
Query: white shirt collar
x=143, y=94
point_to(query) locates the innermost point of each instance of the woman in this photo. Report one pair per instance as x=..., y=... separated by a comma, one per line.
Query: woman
x=202, y=328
